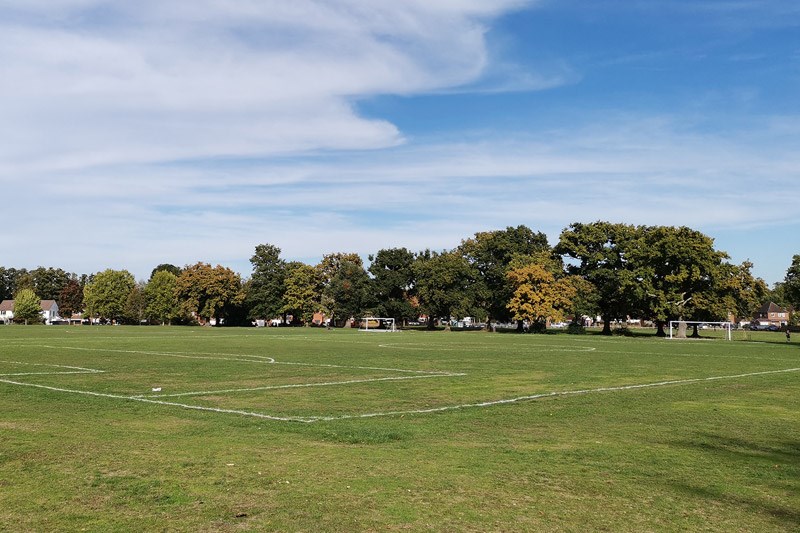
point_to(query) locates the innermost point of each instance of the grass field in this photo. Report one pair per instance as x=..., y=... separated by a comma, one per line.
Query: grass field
x=199, y=429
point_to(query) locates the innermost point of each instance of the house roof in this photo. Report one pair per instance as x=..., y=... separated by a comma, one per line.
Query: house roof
x=771, y=307
x=8, y=305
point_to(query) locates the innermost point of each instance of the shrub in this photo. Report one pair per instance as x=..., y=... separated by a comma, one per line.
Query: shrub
x=576, y=329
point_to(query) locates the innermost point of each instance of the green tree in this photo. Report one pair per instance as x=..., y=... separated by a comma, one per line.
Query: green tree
x=208, y=292
x=303, y=292
x=135, y=305
x=268, y=282
x=27, y=308
x=70, y=299
x=49, y=282
x=682, y=273
x=161, y=304
x=348, y=293
x=393, y=283
x=791, y=283
x=166, y=267
x=739, y=292
x=332, y=263
x=490, y=253
x=106, y=295
x=447, y=285
x=22, y=280
x=6, y=283
x=600, y=252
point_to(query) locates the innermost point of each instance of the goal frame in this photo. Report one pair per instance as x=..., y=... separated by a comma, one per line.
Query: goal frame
x=366, y=320
x=726, y=326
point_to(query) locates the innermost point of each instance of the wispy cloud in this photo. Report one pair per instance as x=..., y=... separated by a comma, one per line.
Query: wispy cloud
x=100, y=82
x=640, y=170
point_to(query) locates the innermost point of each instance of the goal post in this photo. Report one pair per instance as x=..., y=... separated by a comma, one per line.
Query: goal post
x=677, y=328
x=379, y=324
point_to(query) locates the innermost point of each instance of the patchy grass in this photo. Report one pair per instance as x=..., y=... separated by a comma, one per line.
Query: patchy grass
x=575, y=451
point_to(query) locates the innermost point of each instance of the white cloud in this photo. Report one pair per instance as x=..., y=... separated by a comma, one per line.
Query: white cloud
x=100, y=82
x=644, y=171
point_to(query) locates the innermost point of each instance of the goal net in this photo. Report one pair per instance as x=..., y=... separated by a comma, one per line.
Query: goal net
x=678, y=328
x=381, y=324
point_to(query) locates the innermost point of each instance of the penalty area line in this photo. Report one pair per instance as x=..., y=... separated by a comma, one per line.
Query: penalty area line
x=552, y=395
x=299, y=385
x=160, y=402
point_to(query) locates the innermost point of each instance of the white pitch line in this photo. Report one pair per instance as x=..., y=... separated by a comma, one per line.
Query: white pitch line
x=527, y=348
x=78, y=369
x=50, y=373
x=432, y=372
x=550, y=395
x=394, y=413
x=244, y=358
x=297, y=386
x=159, y=402
x=181, y=355
x=662, y=354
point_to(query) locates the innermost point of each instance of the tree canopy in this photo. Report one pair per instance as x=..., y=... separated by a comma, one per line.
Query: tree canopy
x=268, y=282
x=447, y=285
x=303, y=292
x=105, y=296
x=208, y=292
x=393, y=283
x=619, y=271
x=26, y=307
x=601, y=254
x=490, y=254
x=161, y=301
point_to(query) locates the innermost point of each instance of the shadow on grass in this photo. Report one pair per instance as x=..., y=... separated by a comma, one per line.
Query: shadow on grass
x=785, y=513
x=786, y=451
x=782, y=456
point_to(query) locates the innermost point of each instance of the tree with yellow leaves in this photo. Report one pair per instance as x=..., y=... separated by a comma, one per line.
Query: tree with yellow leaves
x=538, y=295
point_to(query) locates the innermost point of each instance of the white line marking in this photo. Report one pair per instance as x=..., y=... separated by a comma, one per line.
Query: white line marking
x=159, y=402
x=410, y=411
x=72, y=369
x=296, y=386
x=182, y=355
x=552, y=394
x=246, y=358
x=432, y=372
x=535, y=348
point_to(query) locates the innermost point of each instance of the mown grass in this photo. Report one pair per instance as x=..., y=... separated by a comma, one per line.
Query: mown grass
x=720, y=455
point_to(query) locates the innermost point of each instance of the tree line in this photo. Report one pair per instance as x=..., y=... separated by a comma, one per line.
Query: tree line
x=514, y=275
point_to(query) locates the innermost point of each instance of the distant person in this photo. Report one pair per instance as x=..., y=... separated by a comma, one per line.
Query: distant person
x=788, y=335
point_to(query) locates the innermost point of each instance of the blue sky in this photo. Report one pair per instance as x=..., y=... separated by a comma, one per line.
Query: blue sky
x=139, y=134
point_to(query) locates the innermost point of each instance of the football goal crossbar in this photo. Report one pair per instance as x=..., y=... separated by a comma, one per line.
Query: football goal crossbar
x=677, y=328
x=380, y=324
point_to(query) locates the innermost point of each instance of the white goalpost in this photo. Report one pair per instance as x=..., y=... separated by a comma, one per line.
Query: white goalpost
x=680, y=327
x=380, y=324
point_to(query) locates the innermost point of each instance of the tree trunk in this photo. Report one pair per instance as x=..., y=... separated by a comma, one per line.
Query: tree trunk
x=520, y=326
x=695, y=333
x=660, y=331
x=606, y=325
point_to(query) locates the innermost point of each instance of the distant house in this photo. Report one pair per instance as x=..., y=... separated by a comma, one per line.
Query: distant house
x=49, y=311
x=771, y=314
x=6, y=311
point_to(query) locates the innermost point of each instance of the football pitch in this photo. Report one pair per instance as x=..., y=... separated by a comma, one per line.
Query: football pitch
x=187, y=429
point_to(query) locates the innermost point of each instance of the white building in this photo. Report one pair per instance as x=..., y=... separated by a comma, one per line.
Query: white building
x=49, y=311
